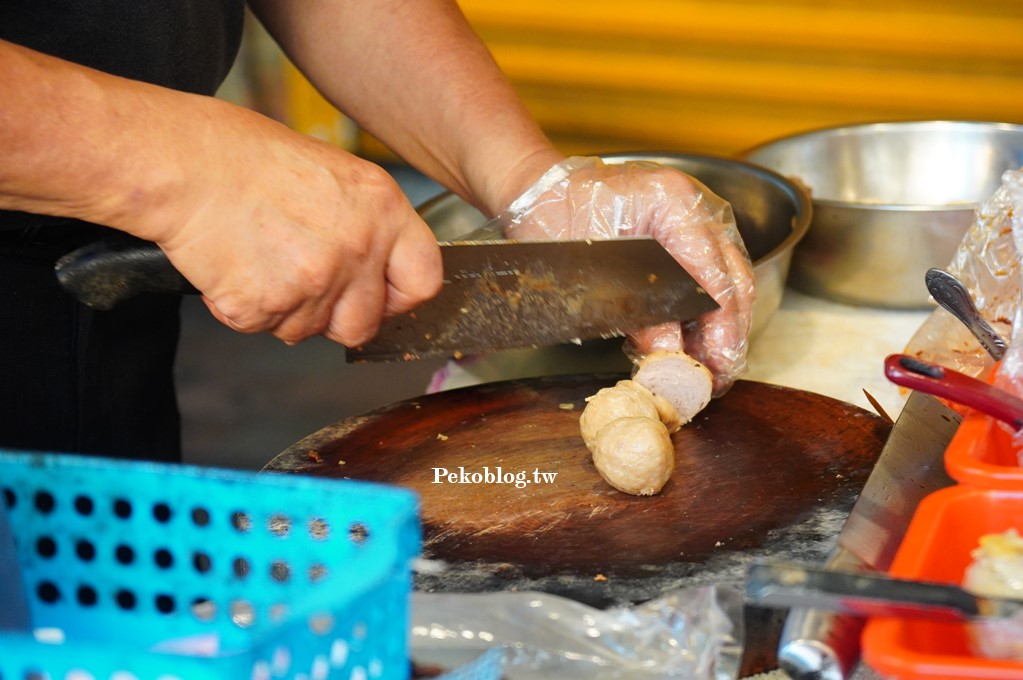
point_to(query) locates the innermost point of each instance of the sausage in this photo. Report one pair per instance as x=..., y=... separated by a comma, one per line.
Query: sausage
x=626, y=399
x=634, y=455
x=628, y=427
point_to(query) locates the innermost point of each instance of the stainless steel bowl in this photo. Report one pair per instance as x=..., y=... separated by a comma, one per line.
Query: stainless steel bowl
x=772, y=214
x=890, y=201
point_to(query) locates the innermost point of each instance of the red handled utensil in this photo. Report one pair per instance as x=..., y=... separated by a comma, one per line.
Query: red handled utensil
x=957, y=387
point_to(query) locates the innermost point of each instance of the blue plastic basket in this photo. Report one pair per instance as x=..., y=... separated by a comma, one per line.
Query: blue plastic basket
x=152, y=571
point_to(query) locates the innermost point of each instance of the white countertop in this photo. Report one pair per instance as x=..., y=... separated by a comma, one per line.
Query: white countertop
x=833, y=349
x=811, y=344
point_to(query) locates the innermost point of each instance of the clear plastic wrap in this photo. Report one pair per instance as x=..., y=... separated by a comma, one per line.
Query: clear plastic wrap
x=987, y=262
x=586, y=198
x=692, y=633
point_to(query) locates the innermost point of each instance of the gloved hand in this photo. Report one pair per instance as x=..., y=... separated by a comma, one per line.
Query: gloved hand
x=585, y=198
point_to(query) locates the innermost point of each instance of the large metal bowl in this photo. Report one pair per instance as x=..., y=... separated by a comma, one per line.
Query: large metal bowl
x=890, y=201
x=772, y=214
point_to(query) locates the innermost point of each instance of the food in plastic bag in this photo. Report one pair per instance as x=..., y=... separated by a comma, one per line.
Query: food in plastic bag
x=997, y=571
x=692, y=633
x=988, y=263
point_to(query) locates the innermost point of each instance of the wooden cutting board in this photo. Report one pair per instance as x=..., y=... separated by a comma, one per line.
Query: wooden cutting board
x=524, y=494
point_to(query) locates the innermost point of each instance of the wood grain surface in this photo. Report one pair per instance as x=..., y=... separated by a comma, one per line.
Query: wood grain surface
x=756, y=461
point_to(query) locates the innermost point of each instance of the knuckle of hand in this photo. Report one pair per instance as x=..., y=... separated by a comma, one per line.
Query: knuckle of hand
x=236, y=311
x=276, y=303
x=317, y=280
x=390, y=205
x=347, y=337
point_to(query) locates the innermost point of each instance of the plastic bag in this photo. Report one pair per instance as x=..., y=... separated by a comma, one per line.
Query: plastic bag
x=693, y=633
x=988, y=263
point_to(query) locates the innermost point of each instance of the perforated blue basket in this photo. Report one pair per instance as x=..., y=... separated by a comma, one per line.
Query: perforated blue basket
x=153, y=571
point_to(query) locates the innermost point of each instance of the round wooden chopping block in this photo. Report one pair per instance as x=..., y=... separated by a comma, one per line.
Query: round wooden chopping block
x=504, y=476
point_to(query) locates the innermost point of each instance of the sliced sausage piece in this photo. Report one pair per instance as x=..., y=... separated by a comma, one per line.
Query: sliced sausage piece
x=677, y=377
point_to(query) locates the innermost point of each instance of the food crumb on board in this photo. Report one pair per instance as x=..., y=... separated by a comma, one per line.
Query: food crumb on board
x=442, y=437
x=600, y=577
x=567, y=407
x=718, y=544
x=652, y=278
x=314, y=456
x=341, y=462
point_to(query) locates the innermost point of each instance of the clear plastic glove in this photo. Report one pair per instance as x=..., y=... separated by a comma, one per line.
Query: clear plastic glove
x=585, y=198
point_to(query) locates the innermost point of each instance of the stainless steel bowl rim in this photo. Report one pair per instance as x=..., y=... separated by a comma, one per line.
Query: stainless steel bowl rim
x=890, y=125
x=896, y=207
x=881, y=127
x=924, y=179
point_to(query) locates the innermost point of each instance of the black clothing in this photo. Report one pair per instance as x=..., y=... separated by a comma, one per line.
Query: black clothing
x=73, y=379
x=77, y=380
x=186, y=45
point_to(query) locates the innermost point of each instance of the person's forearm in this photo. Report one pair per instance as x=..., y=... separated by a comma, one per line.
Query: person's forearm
x=83, y=144
x=280, y=232
x=415, y=75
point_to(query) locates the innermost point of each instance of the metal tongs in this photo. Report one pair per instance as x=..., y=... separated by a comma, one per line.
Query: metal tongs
x=783, y=584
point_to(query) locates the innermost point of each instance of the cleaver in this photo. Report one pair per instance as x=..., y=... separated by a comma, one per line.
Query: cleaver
x=825, y=645
x=497, y=294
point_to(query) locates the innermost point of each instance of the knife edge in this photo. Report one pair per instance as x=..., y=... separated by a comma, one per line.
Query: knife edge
x=526, y=294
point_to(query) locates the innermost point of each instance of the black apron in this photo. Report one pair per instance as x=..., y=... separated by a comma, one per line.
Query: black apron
x=73, y=379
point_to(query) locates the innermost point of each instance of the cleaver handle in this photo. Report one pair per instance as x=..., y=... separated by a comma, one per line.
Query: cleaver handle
x=105, y=273
x=822, y=645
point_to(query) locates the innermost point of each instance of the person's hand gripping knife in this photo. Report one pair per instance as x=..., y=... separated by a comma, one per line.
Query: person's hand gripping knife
x=586, y=198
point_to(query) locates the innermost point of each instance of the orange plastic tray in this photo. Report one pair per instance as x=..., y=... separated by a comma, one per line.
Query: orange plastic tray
x=946, y=527
x=982, y=454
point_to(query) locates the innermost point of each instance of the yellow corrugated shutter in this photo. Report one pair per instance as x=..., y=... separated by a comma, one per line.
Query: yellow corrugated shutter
x=720, y=76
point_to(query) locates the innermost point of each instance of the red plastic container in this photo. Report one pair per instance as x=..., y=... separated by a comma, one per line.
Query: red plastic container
x=945, y=529
x=983, y=454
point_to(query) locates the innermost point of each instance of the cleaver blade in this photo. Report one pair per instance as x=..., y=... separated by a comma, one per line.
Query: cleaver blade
x=823, y=645
x=500, y=294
